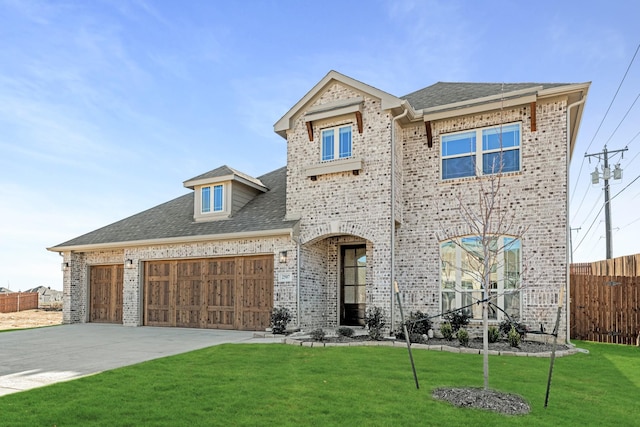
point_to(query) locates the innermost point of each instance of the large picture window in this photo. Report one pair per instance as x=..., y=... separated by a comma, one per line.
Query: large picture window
x=336, y=143
x=482, y=151
x=462, y=271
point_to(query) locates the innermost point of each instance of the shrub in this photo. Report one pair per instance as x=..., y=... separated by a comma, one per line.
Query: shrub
x=447, y=331
x=280, y=318
x=345, y=332
x=317, y=335
x=458, y=319
x=506, y=325
x=374, y=319
x=418, y=325
x=513, y=337
x=463, y=337
x=494, y=334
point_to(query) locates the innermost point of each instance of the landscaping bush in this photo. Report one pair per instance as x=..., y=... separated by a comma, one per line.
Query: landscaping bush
x=494, y=334
x=418, y=325
x=280, y=318
x=345, y=332
x=317, y=335
x=374, y=319
x=447, y=331
x=463, y=337
x=513, y=337
x=458, y=319
x=506, y=325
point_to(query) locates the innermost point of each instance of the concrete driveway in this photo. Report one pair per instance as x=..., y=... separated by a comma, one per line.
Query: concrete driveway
x=37, y=357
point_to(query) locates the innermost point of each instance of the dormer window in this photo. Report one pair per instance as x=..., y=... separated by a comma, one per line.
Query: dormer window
x=336, y=143
x=215, y=203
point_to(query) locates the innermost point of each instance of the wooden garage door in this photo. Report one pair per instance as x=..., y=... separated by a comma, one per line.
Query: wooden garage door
x=105, y=291
x=224, y=293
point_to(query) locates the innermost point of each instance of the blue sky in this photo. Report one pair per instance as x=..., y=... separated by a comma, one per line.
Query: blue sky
x=106, y=107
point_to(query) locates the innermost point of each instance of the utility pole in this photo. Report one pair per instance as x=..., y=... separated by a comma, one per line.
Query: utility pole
x=606, y=175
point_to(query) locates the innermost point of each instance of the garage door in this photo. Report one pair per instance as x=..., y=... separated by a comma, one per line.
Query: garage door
x=105, y=292
x=224, y=293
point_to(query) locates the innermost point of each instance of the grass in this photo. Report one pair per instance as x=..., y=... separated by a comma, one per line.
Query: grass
x=281, y=385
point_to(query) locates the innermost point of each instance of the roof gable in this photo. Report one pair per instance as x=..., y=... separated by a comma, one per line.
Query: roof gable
x=388, y=101
x=225, y=173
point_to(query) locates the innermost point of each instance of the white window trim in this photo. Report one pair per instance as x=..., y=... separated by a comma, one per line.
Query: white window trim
x=479, y=151
x=501, y=291
x=200, y=215
x=336, y=142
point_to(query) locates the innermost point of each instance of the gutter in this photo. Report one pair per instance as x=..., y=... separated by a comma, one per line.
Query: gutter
x=393, y=205
x=568, y=234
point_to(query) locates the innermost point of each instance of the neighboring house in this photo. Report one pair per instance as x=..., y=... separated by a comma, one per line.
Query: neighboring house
x=4, y=290
x=46, y=295
x=370, y=182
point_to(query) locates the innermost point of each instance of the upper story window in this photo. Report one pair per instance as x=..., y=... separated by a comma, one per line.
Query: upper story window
x=336, y=143
x=215, y=203
x=496, y=148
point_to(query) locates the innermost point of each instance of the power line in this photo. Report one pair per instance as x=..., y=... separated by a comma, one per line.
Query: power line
x=614, y=97
x=622, y=120
x=605, y=115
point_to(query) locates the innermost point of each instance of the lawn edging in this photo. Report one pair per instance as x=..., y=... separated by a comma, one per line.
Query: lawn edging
x=397, y=343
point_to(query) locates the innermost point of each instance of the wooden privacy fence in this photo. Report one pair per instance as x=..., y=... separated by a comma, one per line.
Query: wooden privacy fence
x=18, y=301
x=605, y=300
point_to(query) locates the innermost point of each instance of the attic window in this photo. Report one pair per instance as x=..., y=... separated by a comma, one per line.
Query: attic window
x=215, y=204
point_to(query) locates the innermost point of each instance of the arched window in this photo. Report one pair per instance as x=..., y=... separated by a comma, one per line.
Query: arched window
x=463, y=269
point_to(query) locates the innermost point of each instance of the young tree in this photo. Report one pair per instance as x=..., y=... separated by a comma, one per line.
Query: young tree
x=485, y=241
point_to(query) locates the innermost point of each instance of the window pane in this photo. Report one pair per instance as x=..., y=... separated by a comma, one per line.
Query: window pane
x=460, y=143
x=512, y=304
x=362, y=294
x=501, y=161
x=362, y=275
x=327, y=144
x=501, y=137
x=217, y=198
x=458, y=167
x=345, y=142
x=349, y=257
x=448, y=301
x=511, y=263
x=349, y=276
x=206, y=199
x=349, y=295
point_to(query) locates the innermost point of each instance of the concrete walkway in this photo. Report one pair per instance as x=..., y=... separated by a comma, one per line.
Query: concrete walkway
x=37, y=357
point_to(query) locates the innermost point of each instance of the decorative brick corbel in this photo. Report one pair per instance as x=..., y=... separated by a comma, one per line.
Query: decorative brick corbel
x=359, y=121
x=427, y=126
x=310, y=130
x=533, y=117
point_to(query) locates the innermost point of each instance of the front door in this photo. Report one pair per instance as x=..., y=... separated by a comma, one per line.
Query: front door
x=352, y=287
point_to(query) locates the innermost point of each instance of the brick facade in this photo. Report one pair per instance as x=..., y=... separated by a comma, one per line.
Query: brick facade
x=345, y=208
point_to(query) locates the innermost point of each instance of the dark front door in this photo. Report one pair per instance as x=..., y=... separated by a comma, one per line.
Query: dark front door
x=352, y=287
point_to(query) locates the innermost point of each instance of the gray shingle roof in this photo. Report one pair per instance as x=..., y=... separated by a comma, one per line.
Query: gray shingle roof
x=443, y=93
x=225, y=170
x=175, y=218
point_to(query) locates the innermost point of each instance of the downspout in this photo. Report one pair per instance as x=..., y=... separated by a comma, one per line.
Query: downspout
x=298, y=263
x=393, y=208
x=568, y=236
x=295, y=236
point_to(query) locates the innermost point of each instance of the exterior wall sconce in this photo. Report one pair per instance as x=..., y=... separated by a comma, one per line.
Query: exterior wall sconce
x=283, y=257
x=128, y=263
x=66, y=266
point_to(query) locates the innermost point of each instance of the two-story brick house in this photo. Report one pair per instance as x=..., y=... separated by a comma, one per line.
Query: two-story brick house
x=371, y=182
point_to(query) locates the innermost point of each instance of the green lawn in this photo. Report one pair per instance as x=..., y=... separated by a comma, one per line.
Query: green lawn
x=267, y=384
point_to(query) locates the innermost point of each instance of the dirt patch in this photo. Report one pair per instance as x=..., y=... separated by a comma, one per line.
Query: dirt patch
x=30, y=319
